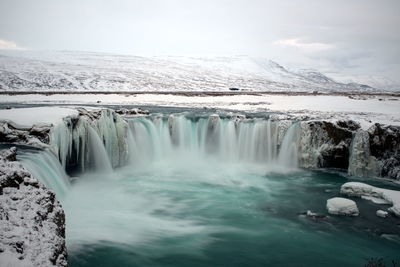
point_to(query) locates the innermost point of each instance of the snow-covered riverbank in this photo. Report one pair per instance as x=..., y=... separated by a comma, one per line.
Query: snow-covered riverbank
x=364, y=109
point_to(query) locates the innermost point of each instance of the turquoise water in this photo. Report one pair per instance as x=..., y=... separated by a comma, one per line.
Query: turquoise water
x=208, y=213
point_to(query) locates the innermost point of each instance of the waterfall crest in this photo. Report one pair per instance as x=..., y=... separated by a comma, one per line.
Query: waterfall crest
x=224, y=139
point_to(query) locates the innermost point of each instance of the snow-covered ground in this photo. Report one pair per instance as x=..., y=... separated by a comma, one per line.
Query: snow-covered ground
x=27, y=117
x=32, y=230
x=84, y=71
x=366, y=110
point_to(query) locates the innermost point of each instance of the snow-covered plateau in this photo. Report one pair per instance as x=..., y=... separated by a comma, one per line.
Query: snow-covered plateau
x=84, y=71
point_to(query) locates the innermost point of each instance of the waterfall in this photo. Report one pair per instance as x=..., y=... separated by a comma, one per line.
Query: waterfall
x=71, y=141
x=288, y=155
x=98, y=153
x=112, y=129
x=361, y=163
x=174, y=137
x=45, y=167
x=223, y=139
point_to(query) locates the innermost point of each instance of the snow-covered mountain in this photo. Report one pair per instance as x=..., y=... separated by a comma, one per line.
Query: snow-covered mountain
x=84, y=71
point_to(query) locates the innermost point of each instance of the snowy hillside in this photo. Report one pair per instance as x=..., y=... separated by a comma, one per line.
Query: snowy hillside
x=83, y=71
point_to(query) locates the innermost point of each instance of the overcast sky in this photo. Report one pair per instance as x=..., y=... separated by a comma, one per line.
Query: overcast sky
x=339, y=37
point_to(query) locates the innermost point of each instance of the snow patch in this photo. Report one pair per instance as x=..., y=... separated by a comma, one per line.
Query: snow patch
x=27, y=117
x=364, y=190
x=342, y=206
x=382, y=213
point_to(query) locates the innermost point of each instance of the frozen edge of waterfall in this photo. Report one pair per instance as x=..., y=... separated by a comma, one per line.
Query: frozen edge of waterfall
x=316, y=143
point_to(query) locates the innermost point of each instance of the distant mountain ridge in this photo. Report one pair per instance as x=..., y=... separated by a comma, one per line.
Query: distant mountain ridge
x=86, y=71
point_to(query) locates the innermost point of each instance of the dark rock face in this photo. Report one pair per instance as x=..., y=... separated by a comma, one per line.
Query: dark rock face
x=338, y=155
x=32, y=221
x=391, y=167
x=338, y=133
x=330, y=141
x=377, y=154
x=132, y=112
x=384, y=144
x=350, y=125
x=384, y=140
x=334, y=140
x=42, y=133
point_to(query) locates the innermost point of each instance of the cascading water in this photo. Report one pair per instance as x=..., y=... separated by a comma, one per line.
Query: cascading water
x=76, y=141
x=226, y=140
x=98, y=153
x=45, y=167
x=288, y=155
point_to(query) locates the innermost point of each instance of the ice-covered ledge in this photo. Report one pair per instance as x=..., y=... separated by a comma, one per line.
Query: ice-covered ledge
x=31, y=126
x=28, y=117
x=375, y=194
x=32, y=221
